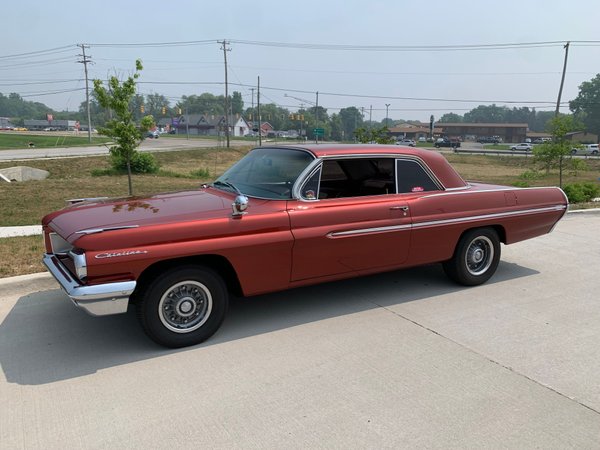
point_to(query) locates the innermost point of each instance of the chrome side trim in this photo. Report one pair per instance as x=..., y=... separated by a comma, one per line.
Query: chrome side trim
x=489, y=216
x=102, y=230
x=98, y=300
x=431, y=223
x=360, y=231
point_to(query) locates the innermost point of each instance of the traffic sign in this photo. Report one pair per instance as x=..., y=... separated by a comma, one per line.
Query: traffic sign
x=319, y=131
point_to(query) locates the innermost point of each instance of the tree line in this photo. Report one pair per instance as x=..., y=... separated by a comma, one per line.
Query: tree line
x=339, y=125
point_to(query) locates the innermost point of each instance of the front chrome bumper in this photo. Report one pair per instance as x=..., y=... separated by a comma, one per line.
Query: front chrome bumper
x=97, y=300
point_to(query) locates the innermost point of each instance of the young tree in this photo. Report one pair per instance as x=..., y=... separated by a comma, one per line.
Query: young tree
x=553, y=153
x=374, y=135
x=121, y=127
x=587, y=104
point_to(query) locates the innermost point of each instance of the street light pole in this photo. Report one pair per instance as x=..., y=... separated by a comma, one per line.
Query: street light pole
x=387, y=105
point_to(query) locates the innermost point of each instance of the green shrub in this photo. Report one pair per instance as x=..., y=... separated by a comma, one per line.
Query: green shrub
x=140, y=163
x=530, y=175
x=581, y=192
x=200, y=173
x=521, y=183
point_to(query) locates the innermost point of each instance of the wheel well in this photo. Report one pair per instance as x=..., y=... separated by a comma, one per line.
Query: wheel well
x=217, y=263
x=497, y=228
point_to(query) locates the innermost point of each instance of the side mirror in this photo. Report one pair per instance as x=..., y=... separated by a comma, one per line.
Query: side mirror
x=239, y=205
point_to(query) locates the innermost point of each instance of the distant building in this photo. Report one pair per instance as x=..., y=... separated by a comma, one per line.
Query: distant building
x=5, y=124
x=413, y=131
x=58, y=125
x=210, y=125
x=582, y=137
x=509, y=132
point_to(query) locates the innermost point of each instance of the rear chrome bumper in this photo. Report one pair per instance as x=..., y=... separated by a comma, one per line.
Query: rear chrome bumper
x=97, y=300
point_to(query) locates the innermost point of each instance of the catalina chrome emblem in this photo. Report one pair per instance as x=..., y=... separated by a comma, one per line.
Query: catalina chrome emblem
x=116, y=254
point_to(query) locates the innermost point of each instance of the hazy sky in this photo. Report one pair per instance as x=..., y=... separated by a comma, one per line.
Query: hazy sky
x=343, y=78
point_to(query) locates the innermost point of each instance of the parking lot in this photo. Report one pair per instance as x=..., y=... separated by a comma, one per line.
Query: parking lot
x=399, y=360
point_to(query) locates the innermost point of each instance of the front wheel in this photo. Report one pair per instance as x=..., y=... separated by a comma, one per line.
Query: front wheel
x=183, y=306
x=476, y=257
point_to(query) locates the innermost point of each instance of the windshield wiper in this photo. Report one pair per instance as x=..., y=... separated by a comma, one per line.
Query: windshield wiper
x=229, y=185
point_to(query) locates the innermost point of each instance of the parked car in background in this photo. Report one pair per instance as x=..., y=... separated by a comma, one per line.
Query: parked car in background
x=284, y=217
x=407, y=142
x=153, y=134
x=586, y=149
x=422, y=139
x=523, y=146
x=447, y=142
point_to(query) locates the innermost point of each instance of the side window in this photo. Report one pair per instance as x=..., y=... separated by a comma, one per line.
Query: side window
x=413, y=178
x=355, y=177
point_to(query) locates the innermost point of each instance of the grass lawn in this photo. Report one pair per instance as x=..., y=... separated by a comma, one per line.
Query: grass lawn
x=21, y=255
x=22, y=140
x=26, y=203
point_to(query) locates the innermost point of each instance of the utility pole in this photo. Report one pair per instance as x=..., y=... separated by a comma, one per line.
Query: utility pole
x=387, y=105
x=370, y=115
x=258, y=111
x=225, y=50
x=317, y=117
x=562, y=80
x=85, y=60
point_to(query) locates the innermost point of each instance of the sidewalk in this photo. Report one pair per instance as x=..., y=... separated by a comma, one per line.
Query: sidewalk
x=30, y=230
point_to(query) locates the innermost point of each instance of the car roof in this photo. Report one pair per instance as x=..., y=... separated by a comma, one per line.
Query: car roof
x=434, y=160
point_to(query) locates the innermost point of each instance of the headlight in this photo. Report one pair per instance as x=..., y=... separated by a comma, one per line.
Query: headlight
x=80, y=263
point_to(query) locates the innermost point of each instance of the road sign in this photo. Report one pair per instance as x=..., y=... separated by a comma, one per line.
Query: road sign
x=319, y=131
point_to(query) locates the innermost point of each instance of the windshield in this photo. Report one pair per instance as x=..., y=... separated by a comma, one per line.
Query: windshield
x=266, y=172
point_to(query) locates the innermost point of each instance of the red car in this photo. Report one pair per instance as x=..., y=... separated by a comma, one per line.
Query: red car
x=283, y=217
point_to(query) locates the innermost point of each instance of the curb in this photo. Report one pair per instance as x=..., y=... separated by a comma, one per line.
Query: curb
x=29, y=230
x=24, y=280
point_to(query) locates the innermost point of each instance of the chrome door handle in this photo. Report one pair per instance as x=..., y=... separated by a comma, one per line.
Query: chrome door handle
x=403, y=208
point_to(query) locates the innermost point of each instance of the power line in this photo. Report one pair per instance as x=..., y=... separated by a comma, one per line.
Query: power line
x=386, y=97
x=409, y=48
x=44, y=62
x=36, y=94
x=28, y=83
x=155, y=44
x=354, y=47
x=39, y=52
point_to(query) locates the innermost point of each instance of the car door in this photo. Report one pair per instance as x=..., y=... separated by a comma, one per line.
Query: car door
x=349, y=219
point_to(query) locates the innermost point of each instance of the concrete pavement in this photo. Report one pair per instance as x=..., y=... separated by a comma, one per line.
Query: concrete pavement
x=399, y=360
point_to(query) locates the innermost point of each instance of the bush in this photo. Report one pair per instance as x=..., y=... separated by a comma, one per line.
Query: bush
x=530, y=175
x=140, y=163
x=200, y=173
x=581, y=192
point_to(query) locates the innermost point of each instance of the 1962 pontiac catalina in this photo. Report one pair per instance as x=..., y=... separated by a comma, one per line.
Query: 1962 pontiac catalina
x=283, y=217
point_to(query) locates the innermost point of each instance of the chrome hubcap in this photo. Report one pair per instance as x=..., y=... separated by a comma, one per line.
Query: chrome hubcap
x=479, y=255
x=185, y=306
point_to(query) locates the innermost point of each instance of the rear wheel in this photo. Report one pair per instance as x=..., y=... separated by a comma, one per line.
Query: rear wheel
x=476, y=257
x=183, y=306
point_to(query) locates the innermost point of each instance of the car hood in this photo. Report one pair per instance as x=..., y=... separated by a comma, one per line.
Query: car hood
x=90, y=217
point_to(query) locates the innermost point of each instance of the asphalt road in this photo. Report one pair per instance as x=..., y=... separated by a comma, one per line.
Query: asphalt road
x=149, y=145
x=399, y=360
